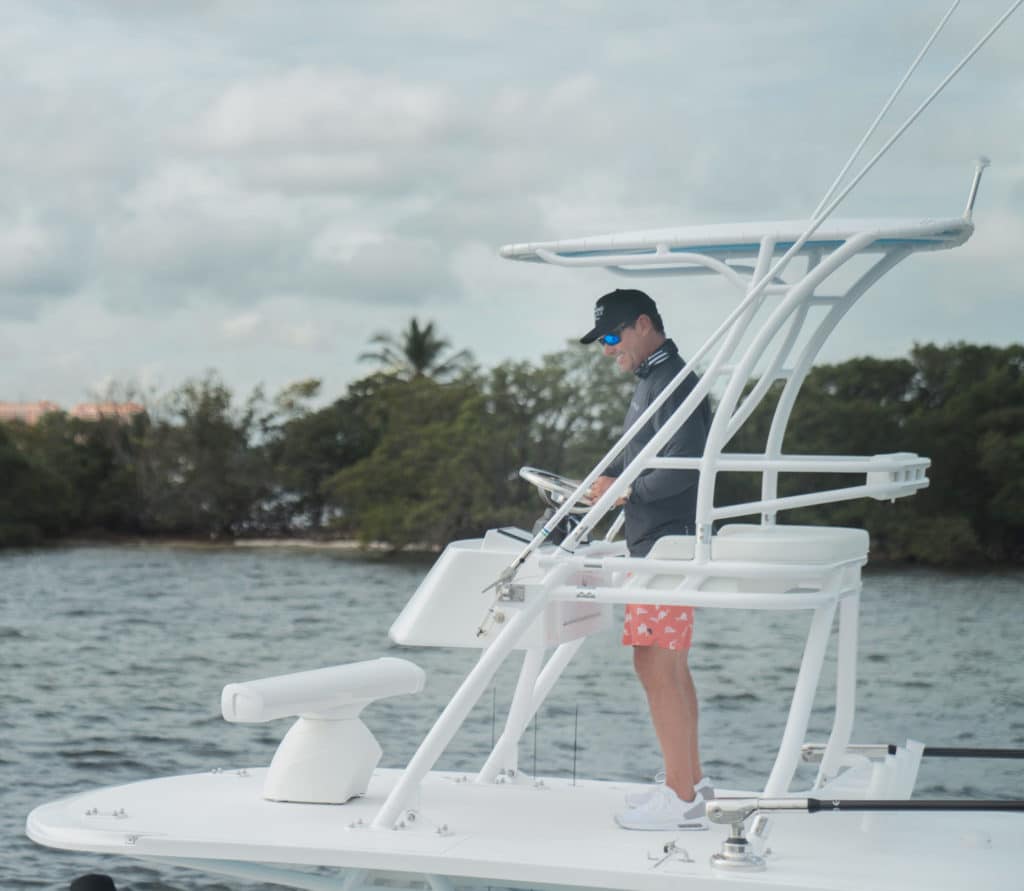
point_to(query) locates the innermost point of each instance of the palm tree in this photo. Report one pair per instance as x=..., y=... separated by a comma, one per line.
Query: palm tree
x=417, y=352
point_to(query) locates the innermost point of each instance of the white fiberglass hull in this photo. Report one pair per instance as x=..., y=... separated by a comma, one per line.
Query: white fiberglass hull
x=541, y=835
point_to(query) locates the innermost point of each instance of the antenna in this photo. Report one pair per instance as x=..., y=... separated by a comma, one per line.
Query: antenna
x=979, y=167
x=823, y=214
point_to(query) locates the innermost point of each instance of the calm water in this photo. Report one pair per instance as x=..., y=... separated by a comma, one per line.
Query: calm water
x=112, y=661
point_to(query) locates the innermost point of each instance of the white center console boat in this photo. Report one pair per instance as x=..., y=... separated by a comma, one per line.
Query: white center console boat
x=323, y=815
x=323, y=802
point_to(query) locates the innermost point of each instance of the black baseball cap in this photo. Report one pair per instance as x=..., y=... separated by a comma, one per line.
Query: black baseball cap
x=619, y=307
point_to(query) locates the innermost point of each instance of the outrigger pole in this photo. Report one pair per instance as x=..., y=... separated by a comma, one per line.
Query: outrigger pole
x=822, y=212
x=874, y=126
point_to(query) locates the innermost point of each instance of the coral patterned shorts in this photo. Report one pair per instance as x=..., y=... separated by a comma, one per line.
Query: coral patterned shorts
x=653, y=625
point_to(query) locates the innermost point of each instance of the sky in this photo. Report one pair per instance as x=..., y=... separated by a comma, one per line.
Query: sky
x=259, y=187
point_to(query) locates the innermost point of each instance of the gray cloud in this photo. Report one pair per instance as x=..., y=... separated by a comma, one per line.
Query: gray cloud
x=401, y=271
x=194, y=160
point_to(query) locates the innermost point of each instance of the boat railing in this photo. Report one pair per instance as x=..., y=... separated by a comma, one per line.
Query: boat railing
x=887, y=477
x=824, y=580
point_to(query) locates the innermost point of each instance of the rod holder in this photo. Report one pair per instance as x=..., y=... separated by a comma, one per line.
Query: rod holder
x=737, y=853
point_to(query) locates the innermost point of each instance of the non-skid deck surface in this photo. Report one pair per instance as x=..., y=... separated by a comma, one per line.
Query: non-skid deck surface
x=553, y=833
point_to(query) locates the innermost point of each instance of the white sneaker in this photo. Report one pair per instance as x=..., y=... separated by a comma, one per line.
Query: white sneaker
x=703, y=787
x=664, y=811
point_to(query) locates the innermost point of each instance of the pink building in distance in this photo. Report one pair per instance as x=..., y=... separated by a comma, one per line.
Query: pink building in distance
x=31, y=412
x=27, y=412
x=93, y=411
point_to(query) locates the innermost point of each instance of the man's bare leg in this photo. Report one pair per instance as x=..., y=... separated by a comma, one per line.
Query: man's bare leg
x=672, y=697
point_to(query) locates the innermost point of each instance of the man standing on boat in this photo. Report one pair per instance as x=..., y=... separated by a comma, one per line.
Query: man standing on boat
x=660, y=502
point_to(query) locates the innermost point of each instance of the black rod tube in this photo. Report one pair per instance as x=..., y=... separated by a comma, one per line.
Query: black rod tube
x=966, y=752
x=815, y=751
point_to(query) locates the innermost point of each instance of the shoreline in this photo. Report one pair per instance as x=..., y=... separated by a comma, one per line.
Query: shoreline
x=344, y=545
x=354, y=547
x=335, y=544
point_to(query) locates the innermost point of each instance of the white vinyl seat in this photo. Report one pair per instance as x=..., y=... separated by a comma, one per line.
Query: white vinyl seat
x=750, y=543
x=789, y=544
x=747, y=542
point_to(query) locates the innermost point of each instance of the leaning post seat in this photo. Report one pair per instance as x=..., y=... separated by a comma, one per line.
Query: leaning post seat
x=751, y=543
x=329, y=754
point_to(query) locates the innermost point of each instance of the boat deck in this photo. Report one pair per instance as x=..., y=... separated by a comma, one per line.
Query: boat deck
x=551, y=833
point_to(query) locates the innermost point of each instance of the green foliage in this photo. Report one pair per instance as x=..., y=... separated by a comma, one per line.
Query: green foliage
x=199, y=473
x=563, y=414
x=969, y=419
x=410, y=488
x=34, y=501
x=960, y=405
x=447, y=460
x=86, y=469
x=430, y=452
x=307, y=447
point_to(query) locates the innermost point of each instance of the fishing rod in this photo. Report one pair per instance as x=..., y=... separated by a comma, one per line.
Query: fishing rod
x=822, y=212
x=737, y=810
x=818, y=805
x=812, y=753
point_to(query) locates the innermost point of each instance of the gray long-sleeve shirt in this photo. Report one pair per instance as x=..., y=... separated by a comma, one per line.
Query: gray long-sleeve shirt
x=663, y=502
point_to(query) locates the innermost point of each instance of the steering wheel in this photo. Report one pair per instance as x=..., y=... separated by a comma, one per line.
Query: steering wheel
x=553, y=488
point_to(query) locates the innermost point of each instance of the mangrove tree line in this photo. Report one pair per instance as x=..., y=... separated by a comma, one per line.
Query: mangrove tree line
x=409, y=456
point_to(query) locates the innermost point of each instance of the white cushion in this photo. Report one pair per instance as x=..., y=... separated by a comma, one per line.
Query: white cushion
x=789, y=544
x=748, y=543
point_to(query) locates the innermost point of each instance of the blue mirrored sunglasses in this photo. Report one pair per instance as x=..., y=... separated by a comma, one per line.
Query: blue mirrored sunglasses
x=615, y=336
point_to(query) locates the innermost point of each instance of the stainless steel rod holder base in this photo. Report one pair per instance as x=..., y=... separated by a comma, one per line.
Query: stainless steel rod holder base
x=736, y=853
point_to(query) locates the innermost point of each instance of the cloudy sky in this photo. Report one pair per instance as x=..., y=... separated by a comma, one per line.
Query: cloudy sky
x=258, y=187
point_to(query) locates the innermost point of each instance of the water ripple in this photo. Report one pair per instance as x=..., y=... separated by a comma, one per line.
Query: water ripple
x=119, y=679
